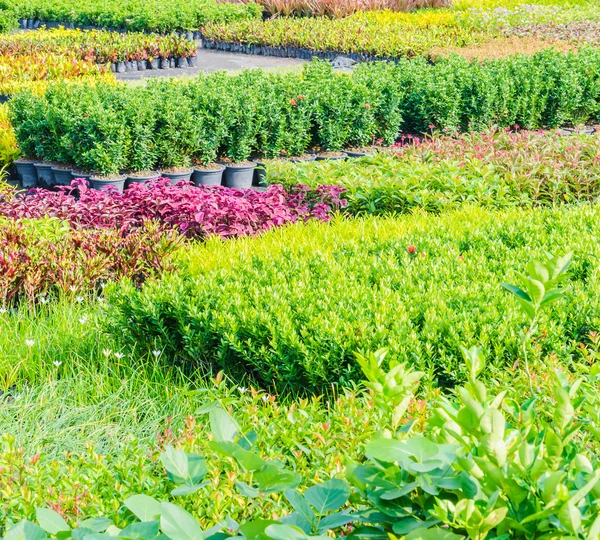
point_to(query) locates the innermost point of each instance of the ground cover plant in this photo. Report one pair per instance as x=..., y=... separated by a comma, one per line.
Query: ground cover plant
x=496, y=169
x=103, y=128
x=293, y=306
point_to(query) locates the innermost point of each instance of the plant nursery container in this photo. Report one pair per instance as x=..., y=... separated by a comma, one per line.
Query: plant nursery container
x=140, y=178
x=260, y=174
x=98, y=182
x=177, y=176
x=45, y=174
x=208, y=176
x=239, y=175
x=80, y=174
x=26, y=173
x=331, y=155
x=304, y=157
x=359, y=153
x=62, y=177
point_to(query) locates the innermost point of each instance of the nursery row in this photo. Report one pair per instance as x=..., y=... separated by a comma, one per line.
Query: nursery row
x=432, y=33
x=96, y=46
x=291, y=307
x=496, y=169
x=136, y=15
x=173, y=124
x=75, y=240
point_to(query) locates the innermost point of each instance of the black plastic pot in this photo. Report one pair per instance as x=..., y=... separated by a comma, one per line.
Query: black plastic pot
x=358, y=154
x=191, y=60
x=208, y=177
x=342, y=155
x=45, y=175
x=129, y=65
x=142, y=65
x=99, y=182
x=121, y=67
x=141, y=179
x=62, y=177
x=182, y=62
x=79, y=174
x=154, y=64
x=178, y=176
x=239, y=176
x=26, y=173
x=165, y=63
x=301, y=159
x=260, y=174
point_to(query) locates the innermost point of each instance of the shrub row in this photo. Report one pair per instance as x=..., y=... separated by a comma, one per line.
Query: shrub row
x=291, y=307
x=170, y=123
x=497, y=169
x=136, y=15
x=96, y=46
x=196, y=212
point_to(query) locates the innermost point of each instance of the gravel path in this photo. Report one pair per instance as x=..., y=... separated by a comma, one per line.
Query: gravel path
x=208, y=60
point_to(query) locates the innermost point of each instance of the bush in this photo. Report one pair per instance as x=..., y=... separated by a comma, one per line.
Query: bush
x=290, y=308
x=269, y=113
x=497, y=169
x=197, y=212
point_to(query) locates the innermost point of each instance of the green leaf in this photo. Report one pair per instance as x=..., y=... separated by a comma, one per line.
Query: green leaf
x=222, y=425
x=393, y=450
x=300, y=505
x=563, y=411
x=25, y=530
x=246, y=490
x=99, y=524
x=145, y=530
x=196, y=467
x=176, y=464
x=145, y=508
x=328, y=496
x=284, y=532
x=368, y=533
x=256, y=528
x=432, y=534
x=570, y=517
x=517, y=291
x=271, y=479
x=334, y=521
x=178, y=524
x=188, y=489
x=51, y=521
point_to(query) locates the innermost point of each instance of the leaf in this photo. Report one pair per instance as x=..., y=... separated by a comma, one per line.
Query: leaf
x=188, y=489
x=563, y=411
x=178, y=524
x=334, y=521
x=25, y=530
x=196, y=467
x=271, y=479
x=145, y=530
x=145, y=508
x=328, y=496
x=246, y=490
x=297, y=520
x=222, y=425
x=51, y=521
x=432, y=534
x=255, y=528
x=393, y=450
x=368, y=533
x=176, y=463
x=300, y=505
x=517, y=291
x=284, y=532
x=99, y=524
x=570, y=517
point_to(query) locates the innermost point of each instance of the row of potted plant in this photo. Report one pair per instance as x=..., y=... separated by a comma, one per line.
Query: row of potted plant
x=98, y=46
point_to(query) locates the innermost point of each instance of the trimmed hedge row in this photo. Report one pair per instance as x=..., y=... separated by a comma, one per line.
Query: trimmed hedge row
x=289, y=308
x=171, y=123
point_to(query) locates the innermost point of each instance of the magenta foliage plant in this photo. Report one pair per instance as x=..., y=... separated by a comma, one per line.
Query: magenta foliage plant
x=196, y=212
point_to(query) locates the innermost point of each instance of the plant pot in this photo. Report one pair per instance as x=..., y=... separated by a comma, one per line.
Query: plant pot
x=239, y=176
x=154, y=64
x=208, y=177
x=26, y=173
x=165, y=63
x=121, y=67
x=332, y=156
x=129, y=65
x=45, y=175
x=155, y=175
x=359, y=154
x=260, y=174
x=142, y=65
x=79, y=174
x=182, y=62
x=191, y=60
x=99, y=182
x=301, y=159
x=62, y=176
x=178, y=176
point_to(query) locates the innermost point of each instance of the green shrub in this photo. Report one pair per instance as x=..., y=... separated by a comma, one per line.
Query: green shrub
x=290, y=308
x=265, y=113
x=497, y=169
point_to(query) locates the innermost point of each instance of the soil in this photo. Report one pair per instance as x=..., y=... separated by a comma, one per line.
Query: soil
x=143, y=174
x=331, y=154
x=175, y=170
x=208, y=167
x=63, y=167
x=230, y=163
x=368, y=150
x=108, y=177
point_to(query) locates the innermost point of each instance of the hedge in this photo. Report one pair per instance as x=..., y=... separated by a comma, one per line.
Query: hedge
x=170, y=123
x=289, y=309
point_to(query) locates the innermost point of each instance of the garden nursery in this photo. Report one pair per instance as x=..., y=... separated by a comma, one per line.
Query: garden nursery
x=355, y=293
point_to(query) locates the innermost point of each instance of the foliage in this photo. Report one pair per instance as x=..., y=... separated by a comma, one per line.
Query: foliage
x=41, y=258
x=136, y=15
x=292, y=306
x=93, y=127
x=196, y=212
x=495, y=168
x=8, y=143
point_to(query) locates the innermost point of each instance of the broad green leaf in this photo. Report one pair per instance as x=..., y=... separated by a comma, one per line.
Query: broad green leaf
x=393, y=450
x=196, y=468
x=255, y=528
x=178, y=524
x=328, y=496
x=564, y=411
x=368, y=533
x=99, y=524
x=188, y=489
x=51, y=521
x=296, y=520
x=271, y=479
x=144, y=530
x=284, y=532
x=408, y=525
x=517, y=291
x=176, y=463
x=432, y=534
x=334, y=521
x=493, y=421
x=495, y=448
x=246, y=490
x=82, y=532
x=145, y=508
x=25, y=530
x=570, y=517
x=222, y=425
x=300, y=505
